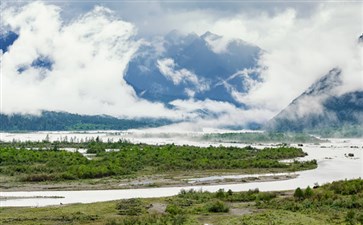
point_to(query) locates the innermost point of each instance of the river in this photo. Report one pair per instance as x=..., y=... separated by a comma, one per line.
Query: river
x=332, y=157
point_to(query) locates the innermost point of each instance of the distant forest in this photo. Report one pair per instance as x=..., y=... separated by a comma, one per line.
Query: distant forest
x=61, y=121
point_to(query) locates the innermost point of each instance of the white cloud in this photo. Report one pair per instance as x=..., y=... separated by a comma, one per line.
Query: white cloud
x=90, y=54
x=217, y=44
x=223, y=113
x=167, y=68
x=89, y=57
x=298, y=51
x=249, y=83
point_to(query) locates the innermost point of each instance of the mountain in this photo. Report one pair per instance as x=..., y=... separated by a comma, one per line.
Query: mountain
x=180, y=66
x=360, y=39
x=320, y=111
x=57, y=121
x=6, y=40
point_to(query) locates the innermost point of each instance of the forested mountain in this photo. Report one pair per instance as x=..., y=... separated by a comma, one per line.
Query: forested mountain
x=320, y=110
x=53, y=121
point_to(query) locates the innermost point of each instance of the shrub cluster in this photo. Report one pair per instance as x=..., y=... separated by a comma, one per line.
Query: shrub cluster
x=44, y=165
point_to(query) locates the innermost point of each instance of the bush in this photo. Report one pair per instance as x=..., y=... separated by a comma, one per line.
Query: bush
x=246, y=196
x=173, y=209
x=265, y=196
x=349, y=218
x=217, y=206
x=220, y=194
x=308, y=192
x=131, y=207
x=346, y=187
x=154, y=219
x=39, y=177
x=299, y=194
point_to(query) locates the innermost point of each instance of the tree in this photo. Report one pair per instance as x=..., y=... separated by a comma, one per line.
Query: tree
x=220, y=194
x=299, y=194
x=308, y=192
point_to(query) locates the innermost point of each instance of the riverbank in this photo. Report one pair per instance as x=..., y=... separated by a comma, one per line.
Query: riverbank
x=168, y=180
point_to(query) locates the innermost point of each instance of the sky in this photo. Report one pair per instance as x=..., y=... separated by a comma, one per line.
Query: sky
x=91, y=43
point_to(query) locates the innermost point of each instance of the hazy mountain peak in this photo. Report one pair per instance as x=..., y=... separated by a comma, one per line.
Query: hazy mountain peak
x=6, y=40
x=206, y=59
x=177, y=37
x=210, y=36
x=325, y=84
x=319, y=109
x=360, y=39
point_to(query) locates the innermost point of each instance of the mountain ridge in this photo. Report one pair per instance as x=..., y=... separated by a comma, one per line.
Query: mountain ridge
x=63, y=121
x=190, y=56
x=320, y=111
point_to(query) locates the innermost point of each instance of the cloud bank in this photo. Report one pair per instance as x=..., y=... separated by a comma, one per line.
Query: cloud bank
x=177, y=76
x=77, y=63
x=301, y=50
x=88, y=58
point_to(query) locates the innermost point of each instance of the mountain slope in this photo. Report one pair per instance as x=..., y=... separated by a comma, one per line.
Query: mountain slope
x=59, y=121
x=191, y=66
x=318, y=110
x=6, y=40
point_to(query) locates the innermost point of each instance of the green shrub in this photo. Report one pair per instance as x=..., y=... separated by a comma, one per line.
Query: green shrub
x=265, y=196
x=308, y=192
x=131, y=207
x=217, y=206
x=220, y=194
x=173, y=209
x=39, y=177
x=152, y=219
x=299, y=194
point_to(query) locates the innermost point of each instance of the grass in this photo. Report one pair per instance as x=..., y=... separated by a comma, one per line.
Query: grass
x=337, y=203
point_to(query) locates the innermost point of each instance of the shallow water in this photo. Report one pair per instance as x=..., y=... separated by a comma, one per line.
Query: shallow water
x=333, y=164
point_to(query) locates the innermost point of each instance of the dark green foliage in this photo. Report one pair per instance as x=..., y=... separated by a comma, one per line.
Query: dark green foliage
x=308, y=192
x=197, y=202
x=299, y=194
x=220, y=194
x=217, y=206
x=269, y=137
x=174, y=209
x=346, y=188
x=350, y=217
x=154, y=219
x=96, y=147
x=333, y=203
x=55, y=121
x=189, y=197
x=340, y=200
x=265, y=196
x=130, y=207
x=251, y=195
x=43, y=165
